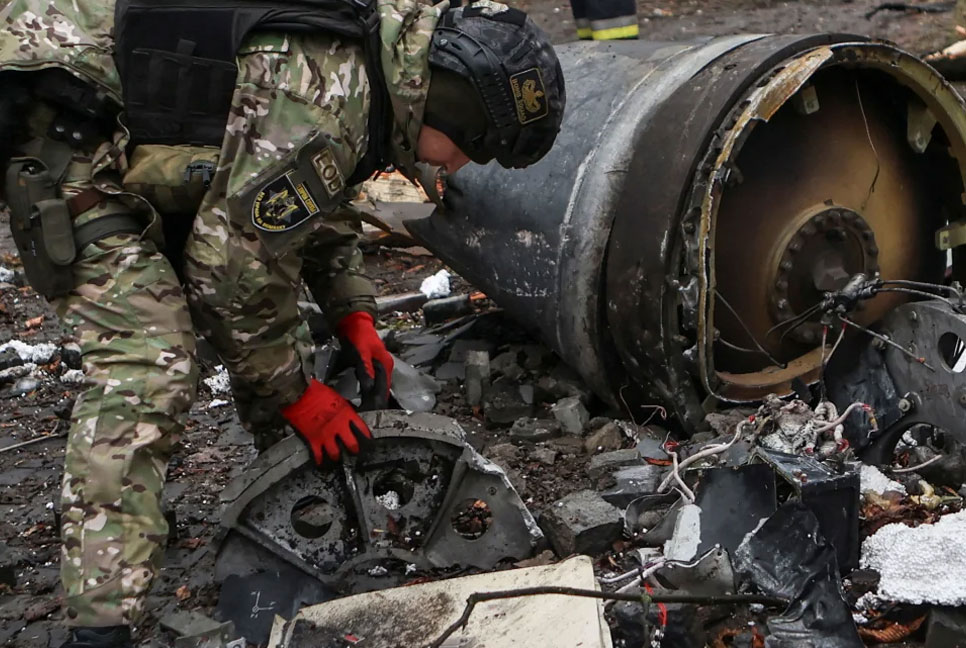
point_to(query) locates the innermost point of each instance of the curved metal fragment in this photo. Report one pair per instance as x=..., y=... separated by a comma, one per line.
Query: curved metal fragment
x=419, y=496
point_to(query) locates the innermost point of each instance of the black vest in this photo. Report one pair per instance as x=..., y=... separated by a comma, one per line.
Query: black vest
x=177, y=63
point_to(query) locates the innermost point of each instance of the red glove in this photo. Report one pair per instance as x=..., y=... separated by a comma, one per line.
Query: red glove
x=326, y=422
x=357, y=331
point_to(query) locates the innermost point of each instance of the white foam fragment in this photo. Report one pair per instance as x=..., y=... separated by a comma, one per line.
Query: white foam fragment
x=36, y=353
x=436, y=286
x=220, y=383
x=217, y=402
x=6, y=274
x=926, y=564
x=73, y=376
x=872, y=479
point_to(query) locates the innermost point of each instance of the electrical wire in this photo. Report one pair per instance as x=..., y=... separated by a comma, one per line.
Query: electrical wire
x=751, y=336
x=707, y=451
x=921, y=285
x=910, y=469
x=804, y=315
x=886, y=340
x=918, y=293
x=868, y=134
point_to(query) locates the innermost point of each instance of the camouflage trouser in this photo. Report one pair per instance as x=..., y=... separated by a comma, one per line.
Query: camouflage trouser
x=131, y=319
x=133, y=323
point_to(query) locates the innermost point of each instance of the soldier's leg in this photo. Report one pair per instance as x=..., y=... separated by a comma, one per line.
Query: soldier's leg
x=130, y=317
x=613, y=19
x=581, y=20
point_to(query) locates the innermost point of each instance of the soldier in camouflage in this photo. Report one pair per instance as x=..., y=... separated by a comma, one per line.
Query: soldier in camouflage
x=264, y=211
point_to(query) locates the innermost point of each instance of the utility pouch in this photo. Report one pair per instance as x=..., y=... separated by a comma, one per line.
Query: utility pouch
x=41, y=227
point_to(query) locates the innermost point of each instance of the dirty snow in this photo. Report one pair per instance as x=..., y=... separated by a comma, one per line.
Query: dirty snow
x=436, y=286
x=219, y=383
x=36, y=353
x=73, y=376
x=926, y=564
x=872, y=479
x=6, y=274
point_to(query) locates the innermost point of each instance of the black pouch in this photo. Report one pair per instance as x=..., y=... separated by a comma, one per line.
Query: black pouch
x=41, y=226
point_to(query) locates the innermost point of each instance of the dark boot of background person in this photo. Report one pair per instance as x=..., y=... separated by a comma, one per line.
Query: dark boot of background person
x=111, y=637
x=605, y=19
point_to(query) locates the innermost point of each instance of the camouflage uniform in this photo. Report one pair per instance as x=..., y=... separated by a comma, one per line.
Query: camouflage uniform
x=128, y=310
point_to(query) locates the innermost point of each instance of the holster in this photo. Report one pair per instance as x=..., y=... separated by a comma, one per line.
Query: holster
x=41, y=226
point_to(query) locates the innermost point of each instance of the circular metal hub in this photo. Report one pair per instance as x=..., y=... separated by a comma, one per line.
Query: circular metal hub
x=832, y=244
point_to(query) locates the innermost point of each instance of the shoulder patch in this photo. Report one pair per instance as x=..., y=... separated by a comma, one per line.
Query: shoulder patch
x=282, y=204
x=328, y=171
x=529, y=95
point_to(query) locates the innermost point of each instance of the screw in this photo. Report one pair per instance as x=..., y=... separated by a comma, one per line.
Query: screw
x=905, y=405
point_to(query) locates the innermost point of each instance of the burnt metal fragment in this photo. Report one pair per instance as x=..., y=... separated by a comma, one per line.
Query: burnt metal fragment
x=375, y=518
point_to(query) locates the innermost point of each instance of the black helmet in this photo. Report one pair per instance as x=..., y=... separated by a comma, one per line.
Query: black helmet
x=496, y=89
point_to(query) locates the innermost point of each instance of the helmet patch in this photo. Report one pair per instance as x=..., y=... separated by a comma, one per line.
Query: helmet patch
x=529, y=95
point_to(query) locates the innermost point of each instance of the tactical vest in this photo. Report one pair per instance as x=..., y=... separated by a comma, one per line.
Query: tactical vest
x=177, y=64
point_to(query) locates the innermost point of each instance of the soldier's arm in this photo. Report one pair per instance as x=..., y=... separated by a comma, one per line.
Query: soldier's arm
x=334, y=269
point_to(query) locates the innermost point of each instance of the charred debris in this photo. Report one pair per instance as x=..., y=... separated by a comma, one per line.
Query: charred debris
x=745, y=427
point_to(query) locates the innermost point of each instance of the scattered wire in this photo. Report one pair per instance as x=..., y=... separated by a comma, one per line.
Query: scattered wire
x=676, y=476
x=838, y=420
x=910, y=469
x=922, y=285
x=886, y=340
x=707, y=451
x=646, y=599
x=868, y=133
x=920, y=293
x=804, y=315
x=47, y=437
x=751, y=336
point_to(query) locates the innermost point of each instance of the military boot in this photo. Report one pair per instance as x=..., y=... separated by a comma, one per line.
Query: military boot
x=111, y=637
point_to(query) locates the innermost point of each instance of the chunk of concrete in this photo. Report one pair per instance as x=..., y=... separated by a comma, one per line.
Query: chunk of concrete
x=582, y=522
x=608, y=462
x=417, y=615
x=571, y=414
x=607, y=438
x=534, y=430
x=545, y=456
x=633, y=482
x=503, y=404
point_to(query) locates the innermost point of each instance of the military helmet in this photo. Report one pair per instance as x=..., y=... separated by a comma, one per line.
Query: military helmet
x=496, y=89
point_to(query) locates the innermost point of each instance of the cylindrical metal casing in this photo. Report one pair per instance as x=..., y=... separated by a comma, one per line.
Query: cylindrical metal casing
x=603, y=247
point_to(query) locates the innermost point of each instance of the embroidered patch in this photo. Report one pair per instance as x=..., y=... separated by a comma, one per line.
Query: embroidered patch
x=328, y=171
x=283, y=204
x=529, y=95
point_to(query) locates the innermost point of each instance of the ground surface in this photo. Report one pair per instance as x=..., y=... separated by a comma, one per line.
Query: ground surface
x=214, y=448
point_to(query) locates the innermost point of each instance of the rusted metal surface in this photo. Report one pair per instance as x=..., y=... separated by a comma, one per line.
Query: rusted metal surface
x=757, y=170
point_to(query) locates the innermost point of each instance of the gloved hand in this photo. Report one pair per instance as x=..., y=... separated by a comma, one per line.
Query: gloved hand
x=357, y=331
x=326, y=422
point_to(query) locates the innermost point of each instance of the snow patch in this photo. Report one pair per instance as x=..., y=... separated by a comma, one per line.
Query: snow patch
x=872, y=479
x=36, y=353
x=217, y=402
x=926, y=564
x=72, y=376
x=220, y=383
x=390, y=500
x=436, y=286
x=6, y=274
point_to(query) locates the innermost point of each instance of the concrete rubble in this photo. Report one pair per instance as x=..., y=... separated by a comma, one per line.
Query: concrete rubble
x=416, y=615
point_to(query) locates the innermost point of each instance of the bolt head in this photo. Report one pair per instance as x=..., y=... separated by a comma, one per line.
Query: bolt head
x=905, y=405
